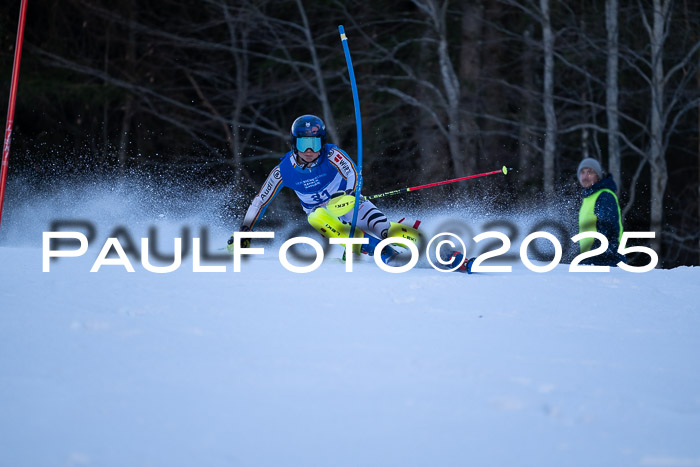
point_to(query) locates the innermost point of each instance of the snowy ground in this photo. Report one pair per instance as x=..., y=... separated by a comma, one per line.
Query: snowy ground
x=271, y=368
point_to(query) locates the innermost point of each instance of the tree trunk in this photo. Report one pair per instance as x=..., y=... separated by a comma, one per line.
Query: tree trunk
x=697, y=80
x=493, y=51
x=548, y=99
x=527, y=156
x=469, y=73
x=322, y=93
x=612, y=91
x=657, y=158
x=437, y=18
x=450, y=83
x=430, y=143
x=124, y=133
x=239, y=46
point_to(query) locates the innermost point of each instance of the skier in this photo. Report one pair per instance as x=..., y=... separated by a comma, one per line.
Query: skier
x=599, y=212
x=318, y=172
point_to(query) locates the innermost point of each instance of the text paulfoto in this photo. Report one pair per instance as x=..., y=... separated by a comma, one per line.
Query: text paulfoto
x=435, y=246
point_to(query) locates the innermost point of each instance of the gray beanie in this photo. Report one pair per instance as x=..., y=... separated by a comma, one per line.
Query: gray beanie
x=591, y=164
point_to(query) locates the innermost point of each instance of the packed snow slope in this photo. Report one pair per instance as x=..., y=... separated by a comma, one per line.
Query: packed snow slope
x=267, y=367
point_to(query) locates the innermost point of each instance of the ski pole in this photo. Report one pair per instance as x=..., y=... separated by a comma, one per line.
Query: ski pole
x=503, y=170
x=341, y=204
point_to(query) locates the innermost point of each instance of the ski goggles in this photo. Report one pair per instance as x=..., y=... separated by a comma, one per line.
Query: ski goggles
x=306, y=142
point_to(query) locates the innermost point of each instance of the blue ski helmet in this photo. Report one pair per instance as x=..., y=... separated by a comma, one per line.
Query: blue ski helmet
x=308, y=131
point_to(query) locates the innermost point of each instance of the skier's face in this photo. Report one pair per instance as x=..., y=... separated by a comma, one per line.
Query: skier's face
x=309, y=155
x=587, y=177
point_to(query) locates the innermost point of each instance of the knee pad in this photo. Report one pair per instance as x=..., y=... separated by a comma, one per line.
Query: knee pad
x=340, y=203
x=405, y=230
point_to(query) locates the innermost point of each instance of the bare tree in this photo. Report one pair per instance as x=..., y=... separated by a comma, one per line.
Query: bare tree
x=664, y=114
x=550, y=139
x=435, y=92
x=696, y=37
x=540, y=13
x=611, y=90
x=470, y=68
x=318, y=74
x=657, y=158
x=437, y=19
x=528, y=151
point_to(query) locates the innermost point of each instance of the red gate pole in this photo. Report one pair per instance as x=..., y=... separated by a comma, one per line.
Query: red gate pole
x=11, y=105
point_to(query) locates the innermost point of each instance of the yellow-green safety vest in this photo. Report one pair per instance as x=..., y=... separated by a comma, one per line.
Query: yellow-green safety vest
x=588, y=221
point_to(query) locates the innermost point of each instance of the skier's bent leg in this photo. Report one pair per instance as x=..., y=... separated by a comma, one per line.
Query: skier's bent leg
x=327, y=224
x=331, y=227
x=370, y=220
x=376, y=225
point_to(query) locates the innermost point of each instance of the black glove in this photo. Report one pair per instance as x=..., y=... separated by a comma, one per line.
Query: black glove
x=245, y=242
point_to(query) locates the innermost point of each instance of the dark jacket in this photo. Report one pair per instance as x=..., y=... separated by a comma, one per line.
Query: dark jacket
x=607, y=210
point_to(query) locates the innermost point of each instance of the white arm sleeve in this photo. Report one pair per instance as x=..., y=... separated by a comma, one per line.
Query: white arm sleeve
x=273, y=184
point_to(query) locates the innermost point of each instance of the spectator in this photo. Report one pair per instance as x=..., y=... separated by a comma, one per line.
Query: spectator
x=599, y=212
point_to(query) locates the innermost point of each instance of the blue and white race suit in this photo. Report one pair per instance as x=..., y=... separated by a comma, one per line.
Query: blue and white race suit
x=314, y=185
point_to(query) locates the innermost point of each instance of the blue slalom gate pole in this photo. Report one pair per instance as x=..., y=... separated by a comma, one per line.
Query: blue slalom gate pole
x=358, y=124
x=11, y=104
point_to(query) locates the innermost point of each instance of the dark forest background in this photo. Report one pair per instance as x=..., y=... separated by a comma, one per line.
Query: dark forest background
x=207, y=91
